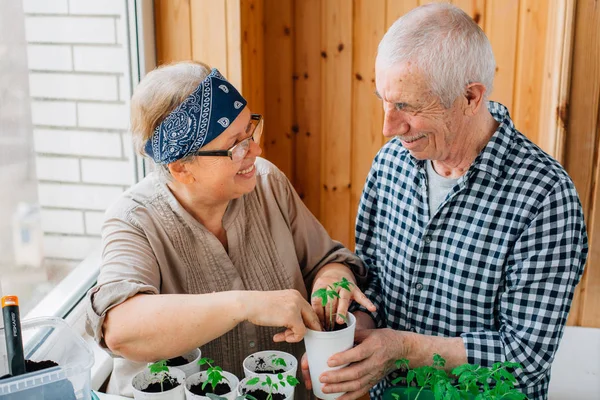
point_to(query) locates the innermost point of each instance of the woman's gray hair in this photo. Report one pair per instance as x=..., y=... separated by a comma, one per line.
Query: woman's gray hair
x=445, y=44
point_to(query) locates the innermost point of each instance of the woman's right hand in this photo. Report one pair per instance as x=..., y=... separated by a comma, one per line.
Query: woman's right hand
x=285, y=308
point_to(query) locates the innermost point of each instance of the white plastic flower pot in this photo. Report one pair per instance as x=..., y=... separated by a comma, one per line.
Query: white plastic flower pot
x=201, y=377
x=243, y=388
x=322, y=345
x=145, y=378
x=255, y=363
x=192, y=366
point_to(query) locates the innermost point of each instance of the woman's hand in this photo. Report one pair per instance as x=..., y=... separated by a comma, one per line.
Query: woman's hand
x=327, y=276
x=286, y=308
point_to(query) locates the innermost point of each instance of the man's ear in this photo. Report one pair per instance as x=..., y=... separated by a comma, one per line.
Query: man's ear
x=474, y=98
x=180, y=172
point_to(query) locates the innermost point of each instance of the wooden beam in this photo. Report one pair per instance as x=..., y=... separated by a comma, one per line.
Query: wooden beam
x=336, y=126
x=582, y=161
x=307, y=92
x=209, y=33
x=501, y=25
x=279, y=92
x=253, y=61
x=367, y=111
x=173, y=32
x=533, y=21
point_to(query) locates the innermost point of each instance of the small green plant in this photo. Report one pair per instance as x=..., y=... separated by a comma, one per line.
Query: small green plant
x=473, y=381
x=272, y=384
x=279, y=362
x=330, y=293
x=214, y=374
x=158, y=368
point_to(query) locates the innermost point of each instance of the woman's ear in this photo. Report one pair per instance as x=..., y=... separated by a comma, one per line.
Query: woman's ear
x=474, y=98
x=181, y=172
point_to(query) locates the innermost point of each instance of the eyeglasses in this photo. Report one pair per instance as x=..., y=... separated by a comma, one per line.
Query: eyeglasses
x=239, y=150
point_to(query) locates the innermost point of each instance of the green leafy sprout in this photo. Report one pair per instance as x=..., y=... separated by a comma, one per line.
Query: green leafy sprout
x=278, y=362
x=331, y=293
x=159, y=368
x=474, y=381
x=214, y=374
x=273, y=384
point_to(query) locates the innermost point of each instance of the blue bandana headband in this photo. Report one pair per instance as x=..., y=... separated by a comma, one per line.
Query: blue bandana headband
x=203, y=116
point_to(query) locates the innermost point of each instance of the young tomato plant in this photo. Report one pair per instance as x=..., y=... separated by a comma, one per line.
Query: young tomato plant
x=157, y=368
x=278, y=362
x=273, y=384
x=330, y=293
x=474, y=382
x=214, y=374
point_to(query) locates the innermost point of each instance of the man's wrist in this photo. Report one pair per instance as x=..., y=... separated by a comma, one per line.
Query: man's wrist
x=364, y=320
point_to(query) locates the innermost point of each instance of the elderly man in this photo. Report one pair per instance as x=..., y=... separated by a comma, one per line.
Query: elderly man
x=473, y=236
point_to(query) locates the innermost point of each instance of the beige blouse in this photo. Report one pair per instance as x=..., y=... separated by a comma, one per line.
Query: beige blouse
x=151, y=244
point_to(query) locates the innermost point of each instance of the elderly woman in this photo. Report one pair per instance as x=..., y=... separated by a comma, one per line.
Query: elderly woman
x=214, y=248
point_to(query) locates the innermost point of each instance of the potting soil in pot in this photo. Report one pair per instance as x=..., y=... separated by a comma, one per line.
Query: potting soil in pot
x=60, y=390
x=263, y=367
x=177, y=361
x=262, y=395
x=167, y=384
x=221, y=389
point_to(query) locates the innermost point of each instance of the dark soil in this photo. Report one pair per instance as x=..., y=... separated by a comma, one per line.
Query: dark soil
x=339, y=327
x=177, y=361
x=32, y=366
x=262, y=395
x=59, y=390
x=264, y=368
x=168, y=384
x=221, y=389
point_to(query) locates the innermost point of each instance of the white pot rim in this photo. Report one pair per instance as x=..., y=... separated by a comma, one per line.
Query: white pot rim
x=191, y=380
x=266, y=353
x=173, y=372
x=325, y=334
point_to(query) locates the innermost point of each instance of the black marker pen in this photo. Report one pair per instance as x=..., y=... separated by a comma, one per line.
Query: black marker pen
x=12, y=332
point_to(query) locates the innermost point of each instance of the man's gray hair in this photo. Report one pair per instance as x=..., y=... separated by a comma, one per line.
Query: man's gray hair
x=445, y=44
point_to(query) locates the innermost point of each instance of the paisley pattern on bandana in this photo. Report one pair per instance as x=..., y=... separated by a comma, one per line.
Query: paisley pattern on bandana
x=202, y=116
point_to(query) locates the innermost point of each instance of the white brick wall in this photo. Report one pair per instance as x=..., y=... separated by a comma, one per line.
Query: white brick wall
x=100, y=59
x=97, y=7
x=77, y=143
x=45, y=29
x=57, y=169
x=79, y=85
x=62, y=221
x=93, y=222
x=55, y=113
x=73, y=87
x=69, y=247
x=50, y=57
x=45, y=6
x=107, y=171
x=72, y=196
x=113, y=116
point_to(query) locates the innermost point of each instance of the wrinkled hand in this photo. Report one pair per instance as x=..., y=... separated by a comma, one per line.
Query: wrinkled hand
x=286, y=308
x=334, y=273
x=371, y=360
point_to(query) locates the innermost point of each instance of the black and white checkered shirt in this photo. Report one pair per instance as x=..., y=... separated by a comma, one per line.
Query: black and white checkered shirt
x=498, y=262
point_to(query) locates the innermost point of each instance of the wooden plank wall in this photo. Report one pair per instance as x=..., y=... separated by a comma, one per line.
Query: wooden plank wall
x=308, y=66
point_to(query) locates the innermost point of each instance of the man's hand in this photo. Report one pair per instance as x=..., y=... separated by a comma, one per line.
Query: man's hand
x=370, y=361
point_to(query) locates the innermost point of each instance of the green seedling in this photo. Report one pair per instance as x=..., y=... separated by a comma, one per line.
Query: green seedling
x=159, y=368
x=474, y=382
x=214, y=374
x=272, y=384
x=278, y=362
x=329, y=294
